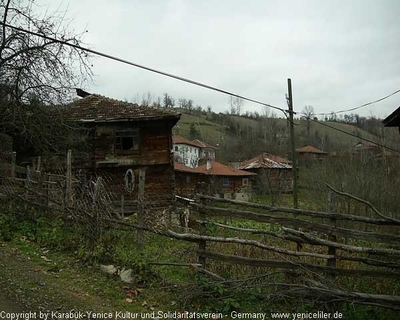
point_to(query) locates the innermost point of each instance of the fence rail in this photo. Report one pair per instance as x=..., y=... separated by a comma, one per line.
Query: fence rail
x=304, y=242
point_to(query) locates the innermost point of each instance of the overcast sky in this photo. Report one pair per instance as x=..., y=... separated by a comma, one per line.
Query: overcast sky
x=339, y=54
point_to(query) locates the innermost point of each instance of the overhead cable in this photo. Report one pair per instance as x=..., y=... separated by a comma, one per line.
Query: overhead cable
x=356, y=136
x=108, y=56
x=355, y=108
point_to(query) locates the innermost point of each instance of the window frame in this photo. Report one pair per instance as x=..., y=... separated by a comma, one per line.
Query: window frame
x=122, y=134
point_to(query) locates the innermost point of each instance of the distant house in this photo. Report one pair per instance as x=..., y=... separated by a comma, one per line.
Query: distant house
x=393, y=120
x=207, y=151
x=366, y=146
x=274, y=173
x=190, y=153
x=125, y=138
x=214, y=178
x=185, y=151
x=310, y=153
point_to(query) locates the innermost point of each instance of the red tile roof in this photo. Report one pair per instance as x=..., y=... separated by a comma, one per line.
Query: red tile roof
x=366, y=145
x=310, y=149
x=196, y=143
x=182, y=140
x=202, y=144
x=266, y=160
x=182, y=168
x=97, y=108
x=219, y=169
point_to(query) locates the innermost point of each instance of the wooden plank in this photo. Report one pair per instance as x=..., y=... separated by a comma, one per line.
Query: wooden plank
x=304, y=224
x=298, y=266
x=310, y=213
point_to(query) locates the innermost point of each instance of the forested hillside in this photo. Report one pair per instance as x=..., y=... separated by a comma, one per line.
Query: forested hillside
x=241, y=137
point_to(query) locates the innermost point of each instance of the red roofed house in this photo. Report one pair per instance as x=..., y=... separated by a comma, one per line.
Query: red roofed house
x=190, y=153
x=126, y=136
x=274, y=174
x=307, y=155
x=310, y=152
x=218, y=179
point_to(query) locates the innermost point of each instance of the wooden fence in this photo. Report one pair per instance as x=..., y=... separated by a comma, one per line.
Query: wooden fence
x=315, y=248
x=331, y=244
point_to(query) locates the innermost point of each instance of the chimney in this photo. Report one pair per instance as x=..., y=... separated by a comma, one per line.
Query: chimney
x=209, y=164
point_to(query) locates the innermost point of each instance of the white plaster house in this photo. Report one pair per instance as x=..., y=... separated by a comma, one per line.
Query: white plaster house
x=189, y=153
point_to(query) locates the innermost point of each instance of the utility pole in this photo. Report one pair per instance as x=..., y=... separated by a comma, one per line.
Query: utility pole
x=293, y=147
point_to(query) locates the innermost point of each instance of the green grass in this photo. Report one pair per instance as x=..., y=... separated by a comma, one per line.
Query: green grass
x=172, y=287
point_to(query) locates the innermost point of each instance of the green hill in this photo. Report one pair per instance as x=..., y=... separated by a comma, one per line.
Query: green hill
x=240, y=138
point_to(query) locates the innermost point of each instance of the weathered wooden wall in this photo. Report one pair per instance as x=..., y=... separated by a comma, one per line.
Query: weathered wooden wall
x=155, y=145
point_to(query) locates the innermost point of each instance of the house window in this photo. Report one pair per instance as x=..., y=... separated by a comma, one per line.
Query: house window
x=245, y=181
x=127, y=140
x=176, y=148
x=188, y=179
x=225, y=181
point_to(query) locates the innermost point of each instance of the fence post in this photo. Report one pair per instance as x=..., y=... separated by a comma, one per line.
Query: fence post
x=202, y=230
x=68, y=178
x=122, y=206
x=39, y=190
x=332, y=237
x=39, y=162
x=142, y=176
x=13, y=160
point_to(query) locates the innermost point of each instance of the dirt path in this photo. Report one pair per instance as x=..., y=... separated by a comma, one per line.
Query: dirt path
x=9, y=306
x=27, y=285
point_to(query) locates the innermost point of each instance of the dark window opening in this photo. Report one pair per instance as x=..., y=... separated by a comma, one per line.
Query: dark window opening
x=127, y=140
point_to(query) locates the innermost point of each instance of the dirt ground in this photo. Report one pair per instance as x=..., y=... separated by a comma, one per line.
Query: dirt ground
x=29, y=286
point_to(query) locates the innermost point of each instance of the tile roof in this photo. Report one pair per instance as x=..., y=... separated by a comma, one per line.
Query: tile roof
x=182, y=140
x=267, y=161
x=196, y=143
x=202, y=144
x=366, y=145
x=310, y=149
x=182, y=168
x=98, y=108
x=217, y=169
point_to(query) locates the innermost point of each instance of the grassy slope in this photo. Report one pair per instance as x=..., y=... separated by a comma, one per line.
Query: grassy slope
x=211, y=132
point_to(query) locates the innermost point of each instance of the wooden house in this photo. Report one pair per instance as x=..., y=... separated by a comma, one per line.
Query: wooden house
x=214, y=178
x=274, y=174
x=125, y=138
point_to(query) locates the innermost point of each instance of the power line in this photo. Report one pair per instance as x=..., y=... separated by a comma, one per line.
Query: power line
x=356, y=136
x=359, y=107
x=143, y=67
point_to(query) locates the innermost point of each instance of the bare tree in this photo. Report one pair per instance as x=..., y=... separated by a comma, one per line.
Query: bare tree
x=168, y=101
x=236, y=105
x=308, y=112
x=36, y=73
